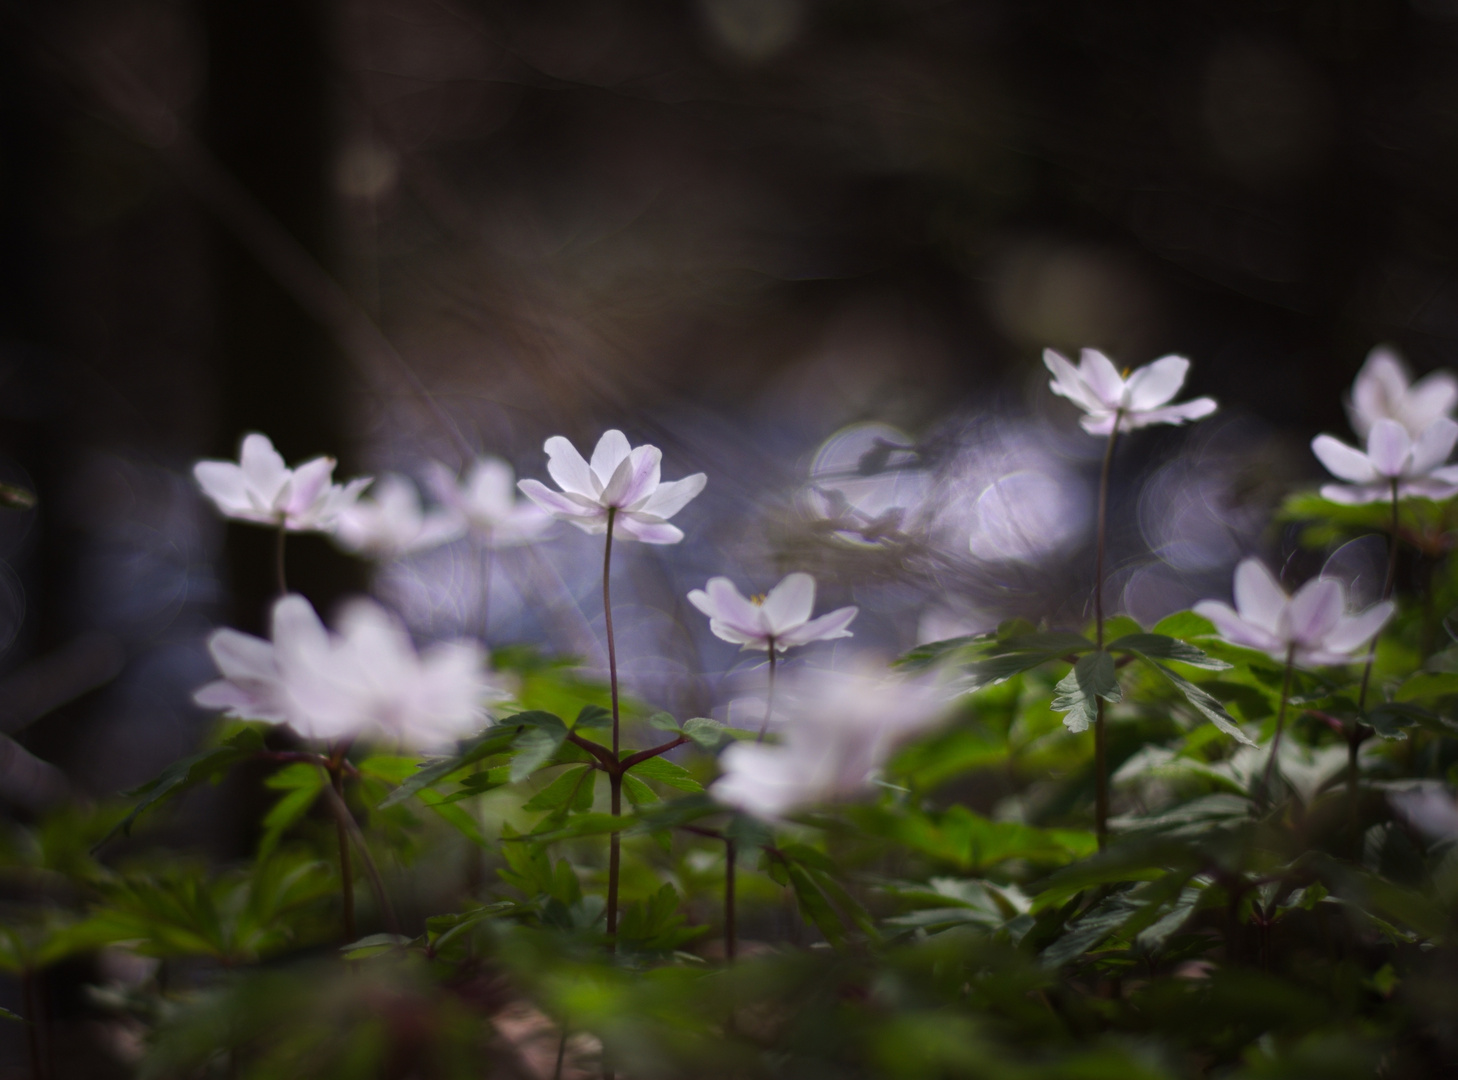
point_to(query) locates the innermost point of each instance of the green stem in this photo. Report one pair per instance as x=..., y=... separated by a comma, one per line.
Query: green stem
x=1101, y=750
x=615, y=779
x=1280, y=721
x=1358, y=731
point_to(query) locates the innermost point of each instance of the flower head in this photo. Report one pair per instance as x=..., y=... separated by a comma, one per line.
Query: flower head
x=622, y=481
x=840, y=727
x=1392, y=461
x=1385, y=391
x=1312, y=626
x=393, y=523
x=781, y=619
x=1138, y=399
x=486, y=499
x=261, y=489
x=368, y=678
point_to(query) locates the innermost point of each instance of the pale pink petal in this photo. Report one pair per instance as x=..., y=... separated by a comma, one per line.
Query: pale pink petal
x=1389, y=449
x=488, y=488
x=1433, y=486
x=297, y=629
x=263, y=468
x=1258, y=595
x=1342, y=460
x=635, y=478
x=1379, y=390
x=441, y=481
x=1430, y=398
x=649, y=531
x=1102, y=377
x=730, y=607
x=242, y=656
x=610, y=452
x=1154, y=384
x=1358, y=495
x=1433, y=445
x=732, y=634
x=673, y=496
x=1068, y=383
x=1102, y=423
x=1354, y=631
x=558, y=504
x=789, y=603
x=241, y=701
x=824, y=628
x=223, y=483
x=1315, y=611
x=1196, y=409
x=1239, y=631
x=566, y=466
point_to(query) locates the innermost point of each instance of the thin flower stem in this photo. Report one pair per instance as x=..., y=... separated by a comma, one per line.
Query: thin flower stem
x=377, y=883
x=1280, y=721
x=731, y=935
x=615, y=779
x=1358, y=732
x=561, y=1054
x=31, y=996
x=1101, y=749
x=769, y=698
x=278, y=559
x=487, y=562
x=346, y=875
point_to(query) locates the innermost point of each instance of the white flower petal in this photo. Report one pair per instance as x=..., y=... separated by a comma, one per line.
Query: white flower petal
x=610, y=452
x=673, y=496
x=1315, y=611
x=1102, y=377
x=1389, y=449
x=650, y=531
x=824, y=628
x=789, y=603
x=729, y=606
x=1155, y=384
x=1433, y=445
x=568, y=469
x=1430, y=398
x=1068, y=383
x=223, y=483
x=558, y=504
x=1342, y=460
x=263, y=468
x=1379, y=390
x=1354, y=631
x=1195, y=409
x=635, y=478
x=1239, y=631
x=1258, y=595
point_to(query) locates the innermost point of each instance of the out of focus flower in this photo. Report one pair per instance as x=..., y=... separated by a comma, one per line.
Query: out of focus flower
x=623, y=480
x=392, y=522
x=1138, y=399
x=1392, y=457
x=1313, y=625
x=367, y=679
x=840, y=727
x=261, y=489
x=779, y=620
x=486, y=499
x=1385, y=391
x=1429, y=809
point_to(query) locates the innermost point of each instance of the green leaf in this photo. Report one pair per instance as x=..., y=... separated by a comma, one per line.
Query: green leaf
x=934, y=651
x=1162, y=647
x=1204, y=704
x=666, y=772
x=374, y=945
x=6, y=1014
x=302, y=783
x=1078, y=692
x=494, y=740
x=663, y=722
x=534, y=748
x=592, y=716
x=638, y=793
x=706, y=734
x=580, y=825
x=564, y=792
x=1185, y=624
x=178, y=777
x=814, y=906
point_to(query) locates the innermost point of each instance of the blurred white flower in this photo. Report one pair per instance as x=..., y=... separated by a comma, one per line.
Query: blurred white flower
x=779, y=620
x=621, y=478
x=486, y=499
x=367, y=679
x=1430, y=809
x=1392, y=457
x=261, y=489
x=391, y=522
x=1313, y=624
x=1138, y=399
x=840, y=728
x=1385, y=391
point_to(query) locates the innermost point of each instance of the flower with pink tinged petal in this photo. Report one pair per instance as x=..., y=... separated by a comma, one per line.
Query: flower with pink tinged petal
x=486, y=499
x=622, y=481
x=367, y=679
x=840, y=728
x=1394, y=462
x=1138, y=399
x=1385, y=391
x=261, y=489
x=779, y=620
x=391, y=522
x=1312, y=626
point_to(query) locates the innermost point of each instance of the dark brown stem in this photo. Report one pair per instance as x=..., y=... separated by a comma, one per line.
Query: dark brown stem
x=597, y=750
x=561, y=1054
x=377, y=883
x=278, y=560
x=346, y=875
x=653, y=752
x=615, y=787
x=731, y=936
x=769, y=698
x=615, y=774
x=1358, y=731
x=1101, y=749
x=30, y=996
x=1280, y=721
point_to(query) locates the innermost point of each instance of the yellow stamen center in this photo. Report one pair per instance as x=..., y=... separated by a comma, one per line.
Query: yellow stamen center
x=757, y=599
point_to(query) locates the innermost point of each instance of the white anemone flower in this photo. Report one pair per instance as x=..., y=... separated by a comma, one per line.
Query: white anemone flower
x=1312, y=627
x=779, y=620
x=392, y=522
x=1392, y=461
x=366, y=680
x=622, y=481
x=486, y=499
x=1384, y=390
x=1138, y=399
x=840, y=728
x=261, y=489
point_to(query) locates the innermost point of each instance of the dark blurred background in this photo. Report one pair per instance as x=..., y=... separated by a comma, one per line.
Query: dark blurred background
x=812, y=247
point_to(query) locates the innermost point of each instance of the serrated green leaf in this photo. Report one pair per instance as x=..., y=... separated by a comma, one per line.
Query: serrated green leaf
x=1205, y=704
x=534, y=748
x=592, y=716
x=493, y=741
x=302, y=784
x=663, y=722
x=180, y=776
x=666, y=772
x=1163, y=647
x=638, y=793
x=706, y=734
x=1078, y=692
x=581, y=825
x=564, y=790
